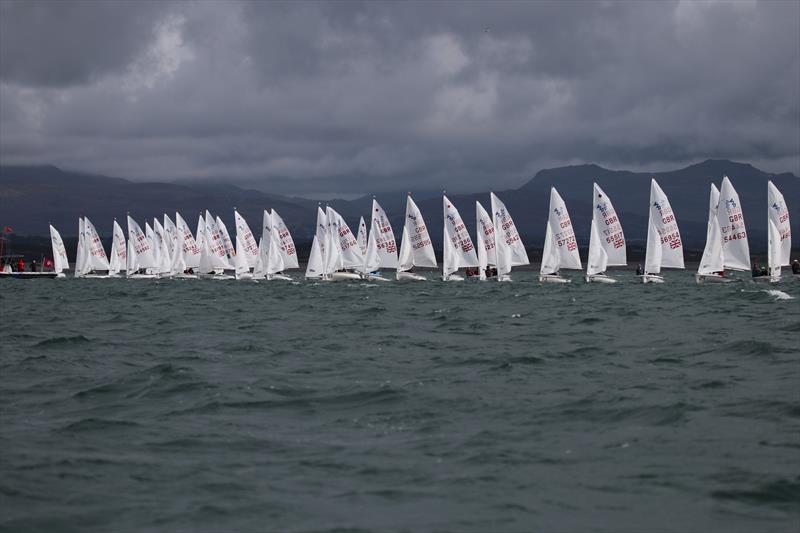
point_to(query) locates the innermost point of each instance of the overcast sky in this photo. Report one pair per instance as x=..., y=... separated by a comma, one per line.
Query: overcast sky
x=346, y=98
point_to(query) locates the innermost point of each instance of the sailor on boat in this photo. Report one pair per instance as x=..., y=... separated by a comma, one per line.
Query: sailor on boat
x=796, y=267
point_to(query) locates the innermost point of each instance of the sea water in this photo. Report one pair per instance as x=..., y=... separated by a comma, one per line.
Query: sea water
x=199, y=405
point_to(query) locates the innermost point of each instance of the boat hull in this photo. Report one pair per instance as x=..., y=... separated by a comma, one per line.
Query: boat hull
x=142, y=276
x=345, y=276
x=552, y=278
x=410, y=276
x=30, y=275
x=215, y=276
x=766, y=279
x=185, y=276
x=504, y=278
x=374, y=277
x=652, y=278
x=453, y=277
x=600, y=278
x=711, y=278
x=278, y=277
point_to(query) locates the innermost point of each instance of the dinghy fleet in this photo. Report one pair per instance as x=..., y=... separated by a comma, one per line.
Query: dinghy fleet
x=169, y=249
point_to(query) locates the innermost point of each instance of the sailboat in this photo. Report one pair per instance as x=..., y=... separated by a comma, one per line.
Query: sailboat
x=162, y=255
x=416, y=248
x=510, y=251
x=139, y=254
x=119, y=251
x=249, y=246
x=187, y=251
x=90, y=252
x=60, y=260
x=384, y=240
x=342, y=247
x=230, y=250
x=485, y=241
x=735, y=248
x=664, y=246
x=371, y=257
x=275, y=249
x=779, y=233
x=606, y=240
x=213, y=254
x=712, y=264
x=240, y=265
x=316, y=263
x=457, y=248
x=560, y=245
x=285, y=244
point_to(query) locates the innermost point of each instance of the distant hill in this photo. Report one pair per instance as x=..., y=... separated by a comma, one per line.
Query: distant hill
x=32, y=196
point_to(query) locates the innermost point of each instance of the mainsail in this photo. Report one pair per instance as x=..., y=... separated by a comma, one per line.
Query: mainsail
x=458, y=248
x=119, y=251
x=487, y=253
x=731, y=224
x=362, y=236
x=285, y=242
x=249, y=247
x=416, y=248
x=664, y=246
x=140, y=252
x=60, y=260
x=95, y=258
x=384, y=237
x=713, y=259
x=561, y=247
x=315, y=268
x=779, y=217
x=510, y=250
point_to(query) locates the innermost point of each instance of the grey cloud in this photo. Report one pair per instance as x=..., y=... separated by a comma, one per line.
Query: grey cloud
x=366, y=97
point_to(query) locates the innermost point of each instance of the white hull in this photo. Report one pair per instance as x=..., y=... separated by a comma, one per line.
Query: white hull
x=278, y=277
x=766, y=279
x=652, y=278
x=600, y=278
x=552, y=278
x=345, y=276
x=247, y=276
x=504, y=277
x=215, y=276
x=184, y=276
x=711, y=278
x=374, y=277
x=142, y=276
x=410, y=276
x=453, y=277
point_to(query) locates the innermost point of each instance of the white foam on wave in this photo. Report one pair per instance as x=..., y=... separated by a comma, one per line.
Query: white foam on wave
x=778, y=295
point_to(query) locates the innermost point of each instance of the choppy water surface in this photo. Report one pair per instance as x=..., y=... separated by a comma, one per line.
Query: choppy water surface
x=213, y=405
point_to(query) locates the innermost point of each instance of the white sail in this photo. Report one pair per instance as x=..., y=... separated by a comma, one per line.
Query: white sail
x=275, y=262
x=551, y=258
x=230, y=251
x=322, y=235
x=713, y=259
x=60, y=260
x=163, y=259
x=187, y=245
x=148, y=233
x=80, y=253
x=372, y=259
x=416, y=248
x=170, y=235
x=249, y=245
x=119, y=250
x=597, y=262
x=362, y=236
x=240, y=264
x=384, y=237
x=215, y=244
x=609, y=228
x=285, y=242
x=664, y=246
x=779, y=216
x=315, y=268
x=458, y=250
x=484, y=229
x=140, y=251
x=200, y=234
x=344, y=251
x=774, y=250
x=563, y=233
x=94, y=247
x=510, y=250
x=731, y=223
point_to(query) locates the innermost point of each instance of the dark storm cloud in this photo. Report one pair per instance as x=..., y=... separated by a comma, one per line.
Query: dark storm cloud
x=356, y=97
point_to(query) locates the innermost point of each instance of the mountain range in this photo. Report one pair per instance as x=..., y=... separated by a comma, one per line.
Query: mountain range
x=32, y=196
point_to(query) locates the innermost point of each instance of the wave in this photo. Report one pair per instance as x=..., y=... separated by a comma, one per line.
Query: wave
x=61, y=341
x=780, y=492
x=778, y=295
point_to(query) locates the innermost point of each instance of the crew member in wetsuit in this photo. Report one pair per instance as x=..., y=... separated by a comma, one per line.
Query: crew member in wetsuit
x=639, y=270
x=756, y=270
x=795, y=267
